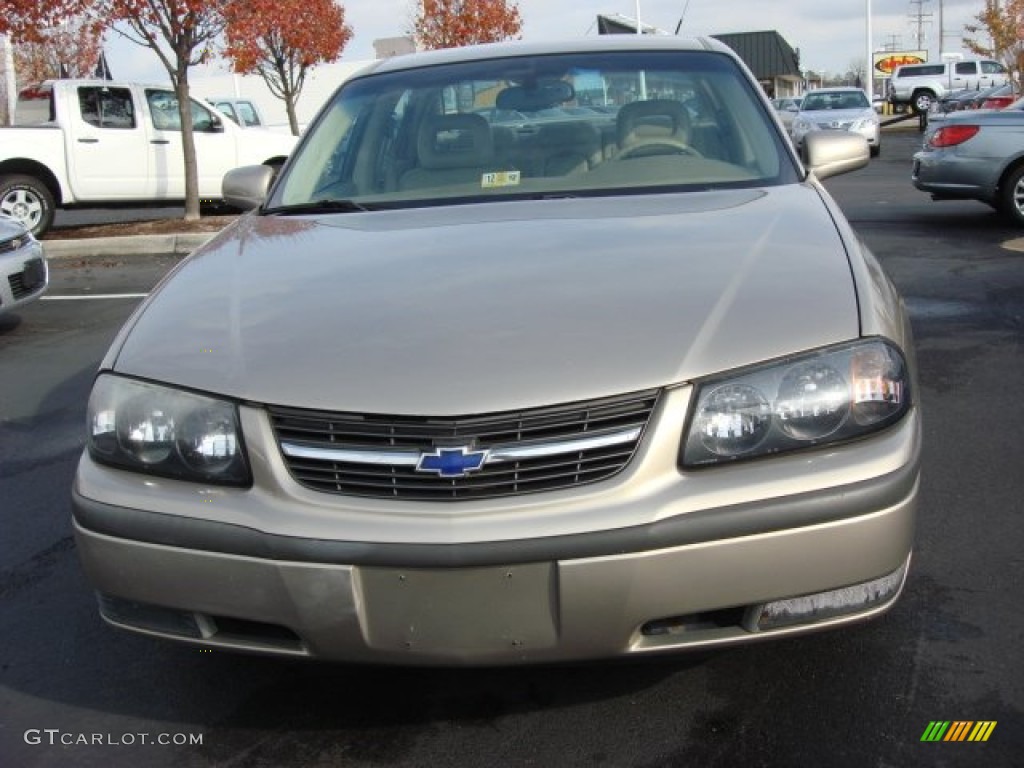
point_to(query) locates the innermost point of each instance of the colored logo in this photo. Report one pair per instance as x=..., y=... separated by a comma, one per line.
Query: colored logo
x=958, y=730
x=451, y=462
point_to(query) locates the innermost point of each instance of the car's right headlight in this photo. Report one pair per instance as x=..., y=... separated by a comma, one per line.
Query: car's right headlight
x=159, y=430
x=801, y=126
x=832, y=395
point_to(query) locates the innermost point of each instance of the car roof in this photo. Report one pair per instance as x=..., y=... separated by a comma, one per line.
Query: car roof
x=837, y=89
x=598, y=44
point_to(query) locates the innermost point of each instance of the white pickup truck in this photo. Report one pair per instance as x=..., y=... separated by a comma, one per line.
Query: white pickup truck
x=107, y=144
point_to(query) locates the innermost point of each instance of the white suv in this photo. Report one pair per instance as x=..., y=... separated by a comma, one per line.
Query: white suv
x=921, y=84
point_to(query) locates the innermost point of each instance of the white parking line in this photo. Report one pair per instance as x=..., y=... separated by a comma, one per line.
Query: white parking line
x=89, y=296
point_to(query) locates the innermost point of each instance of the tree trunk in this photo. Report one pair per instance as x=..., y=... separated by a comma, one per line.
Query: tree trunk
x=188, y=142
x=289, y=105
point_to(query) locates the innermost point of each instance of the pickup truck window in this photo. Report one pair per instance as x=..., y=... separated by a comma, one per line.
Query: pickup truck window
x=107, y=107
x=992, y=68
x=966, y=68
x=163, y=109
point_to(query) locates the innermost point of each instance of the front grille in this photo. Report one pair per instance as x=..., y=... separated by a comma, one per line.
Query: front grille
x=540, y=449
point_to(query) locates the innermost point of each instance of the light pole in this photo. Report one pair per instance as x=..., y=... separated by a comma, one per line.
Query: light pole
x=869, y=63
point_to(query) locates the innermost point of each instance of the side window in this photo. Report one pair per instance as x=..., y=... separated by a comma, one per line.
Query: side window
x=163, y=110
x=107, y=107
x=248, y=113
x=203, y=120
x=228, y=110
x=966, y=68
x=992, y=68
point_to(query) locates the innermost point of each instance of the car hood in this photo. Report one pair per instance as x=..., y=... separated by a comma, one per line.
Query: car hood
x=478, y=308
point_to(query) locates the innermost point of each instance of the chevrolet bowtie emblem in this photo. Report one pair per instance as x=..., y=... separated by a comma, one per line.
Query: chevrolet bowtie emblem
x=451, y=462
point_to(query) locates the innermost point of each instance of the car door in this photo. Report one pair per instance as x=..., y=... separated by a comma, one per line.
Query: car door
x=992, y=73
x=965, y=75
x=108, y=149
x=215, y=147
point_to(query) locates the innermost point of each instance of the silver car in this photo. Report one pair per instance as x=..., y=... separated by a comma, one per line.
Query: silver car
x=24, y=275
x=787, y=110
x=838, y=109
x=454, y=393
x=976, y=155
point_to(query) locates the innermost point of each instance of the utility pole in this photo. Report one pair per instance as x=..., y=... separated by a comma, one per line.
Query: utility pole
x=922, y=19
x=869, y=62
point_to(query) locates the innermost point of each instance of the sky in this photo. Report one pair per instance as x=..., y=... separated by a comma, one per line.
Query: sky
x=830, y=34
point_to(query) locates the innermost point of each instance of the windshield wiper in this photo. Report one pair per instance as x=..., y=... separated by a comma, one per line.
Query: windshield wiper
x=327, y=205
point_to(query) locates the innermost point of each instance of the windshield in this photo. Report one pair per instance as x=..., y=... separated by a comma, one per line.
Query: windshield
x=815, y=102
x=558, y=125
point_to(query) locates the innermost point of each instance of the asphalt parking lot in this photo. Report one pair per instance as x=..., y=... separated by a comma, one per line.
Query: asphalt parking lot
x=74, y=692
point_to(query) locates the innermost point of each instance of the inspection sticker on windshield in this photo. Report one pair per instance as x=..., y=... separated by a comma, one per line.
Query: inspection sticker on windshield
x=500, y=179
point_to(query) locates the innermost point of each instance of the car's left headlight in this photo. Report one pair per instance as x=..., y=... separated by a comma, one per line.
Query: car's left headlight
x=163, y=431
x=865, y=122
x=829, y=396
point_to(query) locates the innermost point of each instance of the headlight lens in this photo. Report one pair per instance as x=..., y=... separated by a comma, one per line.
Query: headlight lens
x=151, y=428
x=829, y=396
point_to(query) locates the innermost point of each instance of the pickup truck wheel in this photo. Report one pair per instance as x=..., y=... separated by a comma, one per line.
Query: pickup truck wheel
x=27, y=200
x=1011, y=196
x=923, y=101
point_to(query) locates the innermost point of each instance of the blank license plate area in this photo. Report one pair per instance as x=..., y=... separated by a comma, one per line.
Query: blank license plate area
x=459, y=611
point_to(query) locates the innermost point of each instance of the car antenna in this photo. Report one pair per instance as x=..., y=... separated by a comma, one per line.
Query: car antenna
x=680, y=24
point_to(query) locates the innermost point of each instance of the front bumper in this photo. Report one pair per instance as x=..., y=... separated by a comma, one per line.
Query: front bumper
x=699, y=578
x=24, y=274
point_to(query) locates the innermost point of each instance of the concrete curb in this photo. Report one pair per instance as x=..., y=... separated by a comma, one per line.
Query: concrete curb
x=124, y=246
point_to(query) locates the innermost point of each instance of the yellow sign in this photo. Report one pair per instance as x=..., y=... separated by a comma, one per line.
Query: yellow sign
x=887, y=61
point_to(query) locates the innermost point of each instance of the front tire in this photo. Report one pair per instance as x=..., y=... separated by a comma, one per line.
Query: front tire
x=922, y=102
x=29, y=201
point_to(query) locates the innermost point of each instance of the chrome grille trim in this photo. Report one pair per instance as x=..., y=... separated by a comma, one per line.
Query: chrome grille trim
x=527, y=451
x=495, y=454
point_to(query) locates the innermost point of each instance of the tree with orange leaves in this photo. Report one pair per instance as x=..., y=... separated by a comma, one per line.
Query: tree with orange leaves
x=1002, y=23
x=454, y=23
x=281, y=39
x=69, y=50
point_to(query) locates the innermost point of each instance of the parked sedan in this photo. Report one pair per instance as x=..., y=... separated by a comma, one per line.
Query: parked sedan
x=976, y=155
x=23, y=270
x=838, y=109
x=787, y=110
x=454, y=394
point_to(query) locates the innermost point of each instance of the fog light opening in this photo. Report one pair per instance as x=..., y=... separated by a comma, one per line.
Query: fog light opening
x=822, y=606
x=694, y=622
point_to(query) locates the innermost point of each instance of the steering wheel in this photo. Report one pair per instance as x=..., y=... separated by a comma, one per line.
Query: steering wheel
x=661, y=146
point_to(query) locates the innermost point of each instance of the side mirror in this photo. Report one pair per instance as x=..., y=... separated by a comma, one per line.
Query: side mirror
x=246, y=188
x=830, y=153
